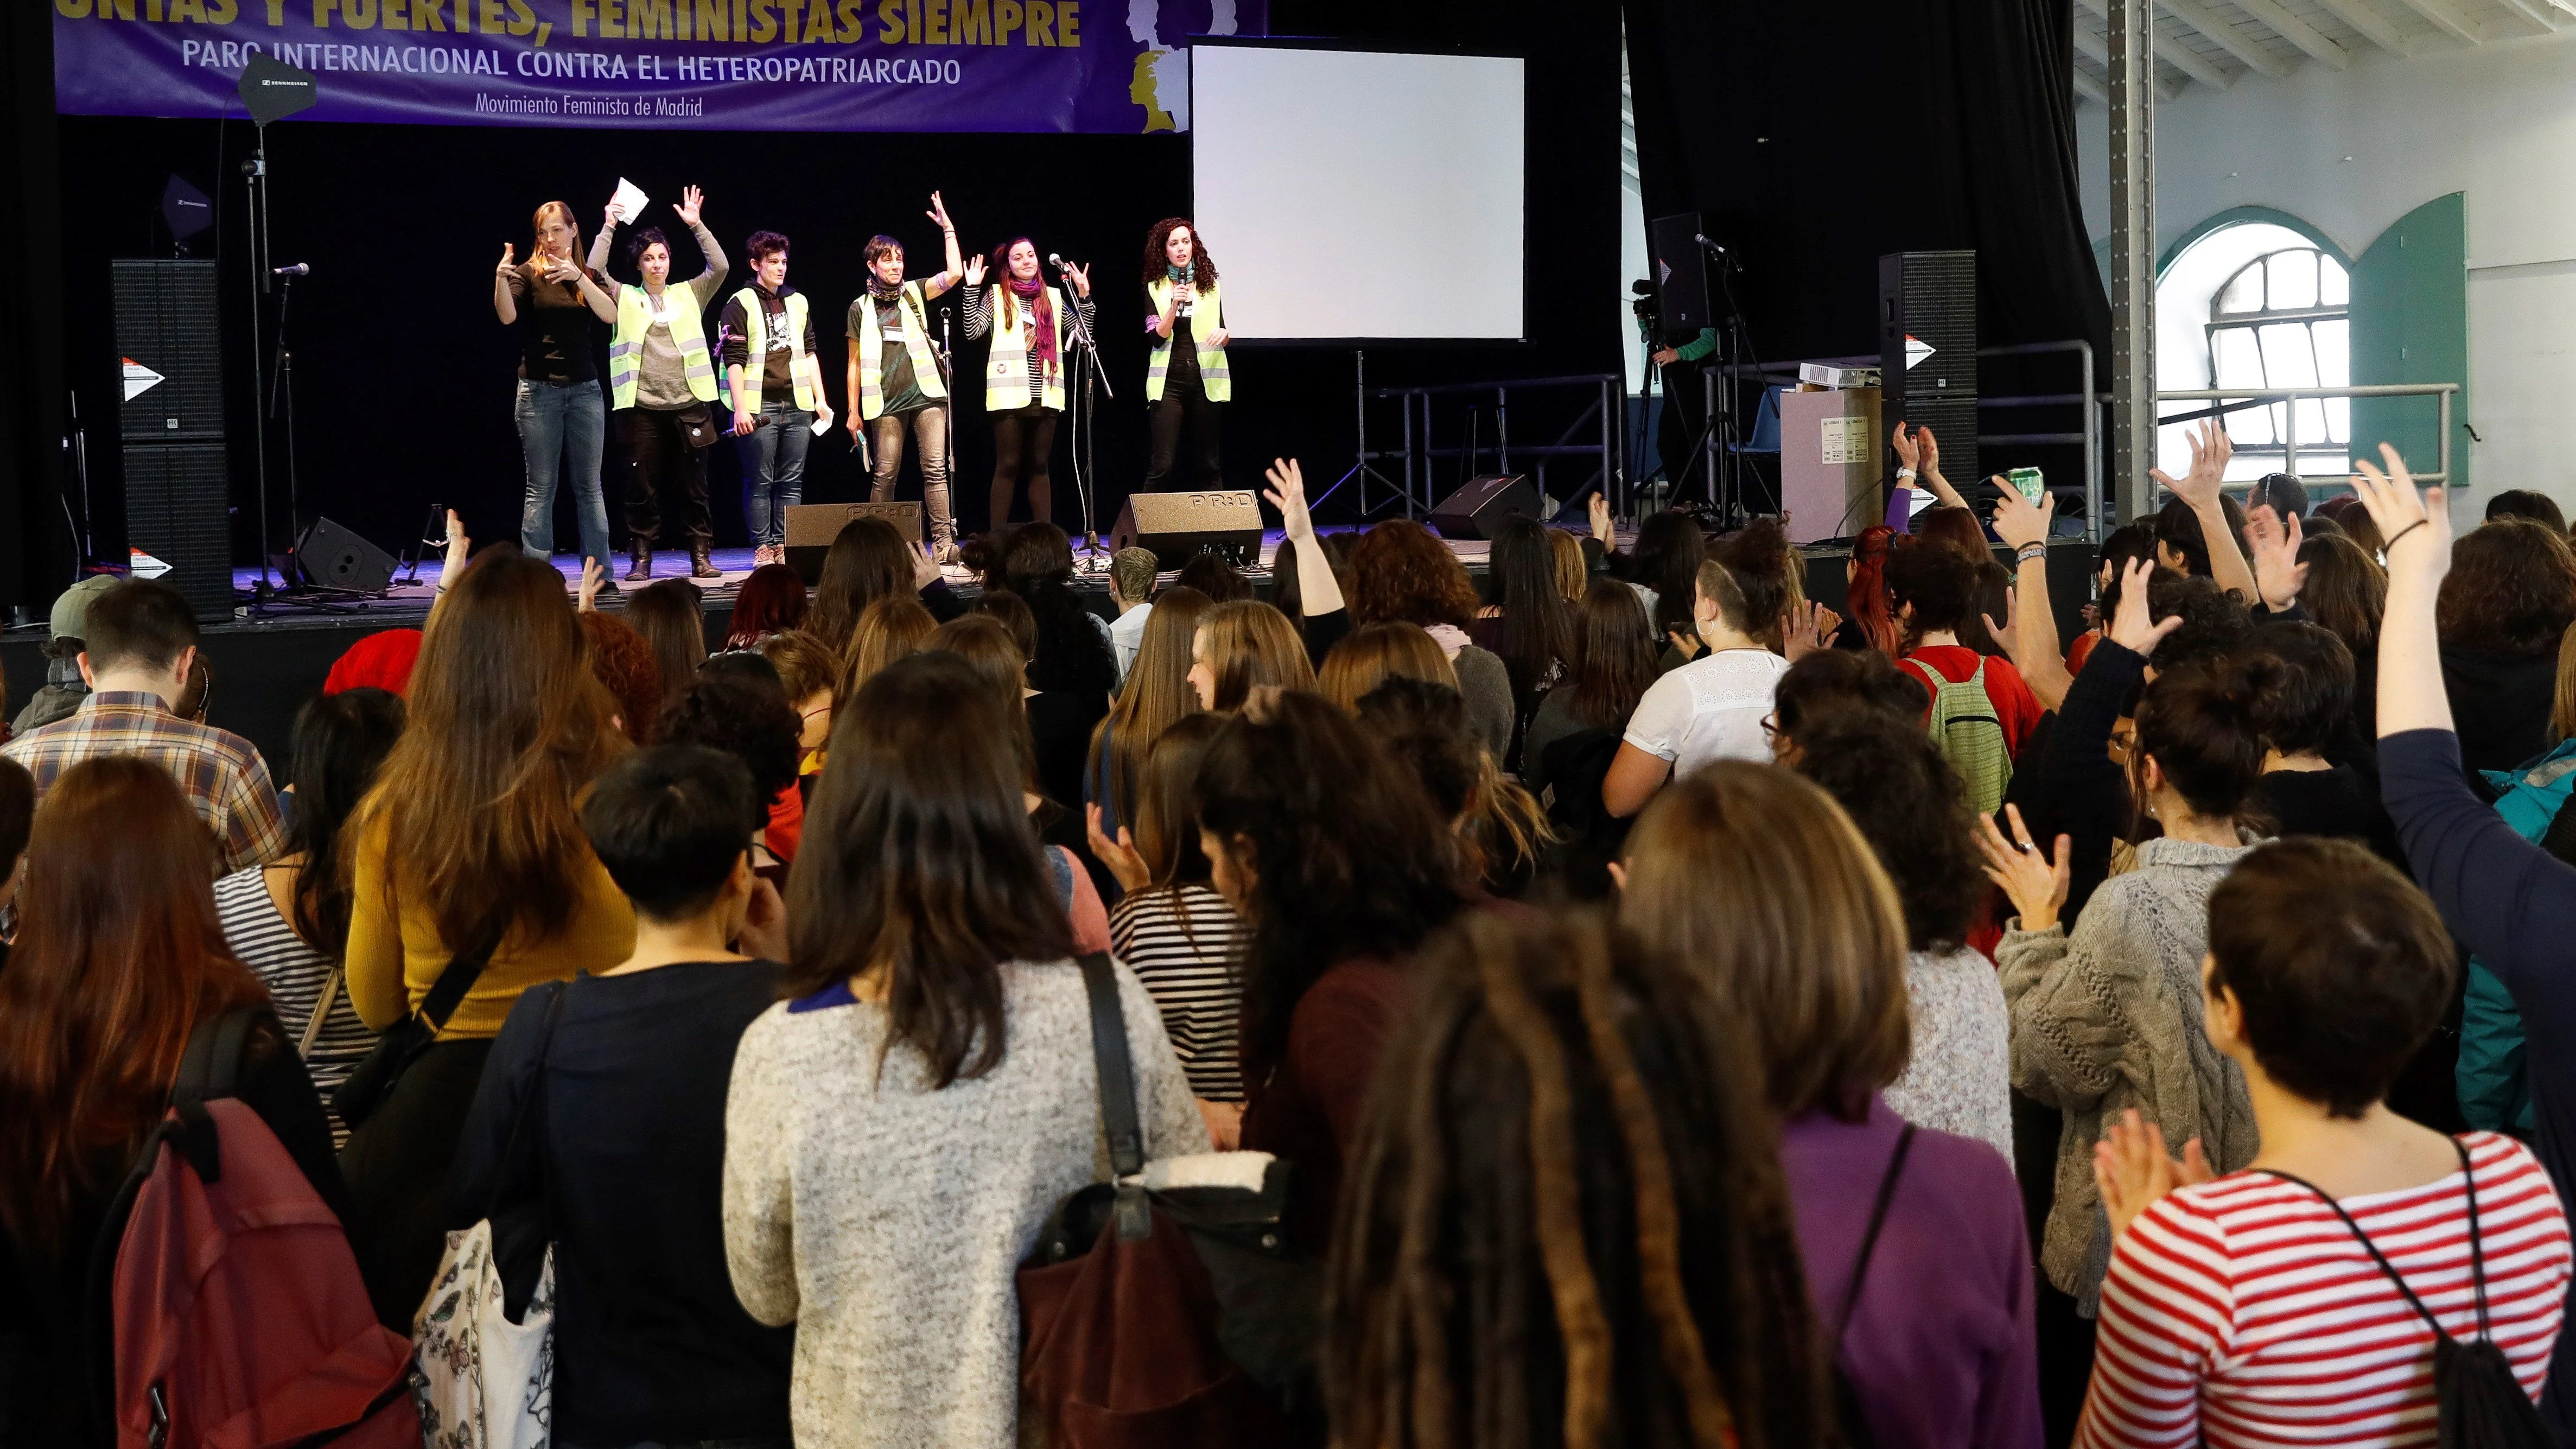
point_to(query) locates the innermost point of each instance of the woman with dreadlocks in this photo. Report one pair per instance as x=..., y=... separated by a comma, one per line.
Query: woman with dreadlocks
x=1566, y=1224
x=1917, y=1262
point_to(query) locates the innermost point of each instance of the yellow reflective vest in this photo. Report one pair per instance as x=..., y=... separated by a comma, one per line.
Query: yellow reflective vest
x=626, y=348
x=925, y=366
x=1006, y=371
x=755, y=366
x=1206, y=316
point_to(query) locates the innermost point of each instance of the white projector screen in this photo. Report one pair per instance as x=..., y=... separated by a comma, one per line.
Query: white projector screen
x=1359, y=196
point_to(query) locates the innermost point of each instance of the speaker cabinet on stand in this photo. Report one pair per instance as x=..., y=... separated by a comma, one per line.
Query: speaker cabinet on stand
x=1927, y=339
x=171, y=424
x=1177, y=527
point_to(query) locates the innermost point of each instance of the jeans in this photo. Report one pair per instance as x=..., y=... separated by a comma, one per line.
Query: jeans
x=773, y=469
x=666, y=451
x=1184, y=399
x=1029, y=432
x=556, y=419
x=930, y=431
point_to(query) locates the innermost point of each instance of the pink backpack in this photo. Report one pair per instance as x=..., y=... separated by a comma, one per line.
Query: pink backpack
x=240, y=1319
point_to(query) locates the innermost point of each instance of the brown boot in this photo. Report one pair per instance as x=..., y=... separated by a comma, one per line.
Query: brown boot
x=642, y=568
x=702, y=567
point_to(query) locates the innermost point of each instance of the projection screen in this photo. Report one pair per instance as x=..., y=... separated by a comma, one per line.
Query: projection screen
x=1359, y=196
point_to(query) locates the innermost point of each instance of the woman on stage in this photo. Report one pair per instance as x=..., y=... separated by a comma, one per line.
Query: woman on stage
x=895, y=376
x=660, y=380
x=1184, y=382
x=1024, y=374
x=551, y=298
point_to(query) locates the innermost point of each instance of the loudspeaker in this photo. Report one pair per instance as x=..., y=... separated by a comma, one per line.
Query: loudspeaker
x=174, y=510
x=334, y=557
x=1476, y=510
x=811, y=527
x=168, y=345
x=1681, y=273
x=1927, y=340
x=1177, y=527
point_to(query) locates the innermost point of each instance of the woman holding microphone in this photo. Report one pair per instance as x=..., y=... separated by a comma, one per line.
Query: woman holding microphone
x=1184, y=382
x=551, y=298
x=1024, y=373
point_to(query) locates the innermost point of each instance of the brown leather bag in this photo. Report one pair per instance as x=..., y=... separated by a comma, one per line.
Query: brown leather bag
x=1147, y=1315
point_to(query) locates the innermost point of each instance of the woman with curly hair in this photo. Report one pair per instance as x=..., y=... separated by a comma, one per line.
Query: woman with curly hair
x=1183, y=383
x=1402, y=573
x=624, y=663
x=2510, y=595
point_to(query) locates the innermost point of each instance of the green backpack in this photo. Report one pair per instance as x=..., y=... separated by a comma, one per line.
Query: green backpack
x=1963, y=720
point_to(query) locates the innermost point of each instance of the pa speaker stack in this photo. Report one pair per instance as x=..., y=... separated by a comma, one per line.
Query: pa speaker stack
x=172, y=425
x=1177, y=527
x=1927, y=340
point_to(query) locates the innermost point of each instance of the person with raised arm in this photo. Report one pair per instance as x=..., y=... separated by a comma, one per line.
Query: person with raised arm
x=660, y=379
x=1918, y=466
x=2203, y=518
x=551, y=298
x=1024, y=372
x=898, y=378
x=2508, y=900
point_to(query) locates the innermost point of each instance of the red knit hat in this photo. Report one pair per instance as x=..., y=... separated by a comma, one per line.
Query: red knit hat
x=379, y=661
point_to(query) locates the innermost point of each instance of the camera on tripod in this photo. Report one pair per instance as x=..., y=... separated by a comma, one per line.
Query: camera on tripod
x=1648, y=305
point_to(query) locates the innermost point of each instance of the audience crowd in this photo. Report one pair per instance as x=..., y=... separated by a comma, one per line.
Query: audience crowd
x=1620, y=1002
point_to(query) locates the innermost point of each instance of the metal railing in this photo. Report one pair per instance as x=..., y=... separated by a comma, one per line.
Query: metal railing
x=1421, y=450
x=2234, y=400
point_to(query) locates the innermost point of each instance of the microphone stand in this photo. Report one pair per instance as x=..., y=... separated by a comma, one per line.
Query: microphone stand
x=1083, y=477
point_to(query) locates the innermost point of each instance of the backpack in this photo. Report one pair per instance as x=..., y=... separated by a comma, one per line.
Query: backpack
x=2482, y=1405
x=1165, y=1306
x=238, y=1314
x=1963, y=720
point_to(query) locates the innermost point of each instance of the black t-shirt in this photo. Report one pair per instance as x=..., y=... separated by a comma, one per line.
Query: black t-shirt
x=650, y=1342
x=2336, y=803
x=554, y=329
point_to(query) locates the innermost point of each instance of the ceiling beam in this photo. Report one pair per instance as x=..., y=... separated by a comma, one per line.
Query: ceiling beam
x=2448, y=18
x=2169, y=50
x=2091, y=89
x=2300, y=33
x=2534, y=13
x=2372, y=25
x=2230, y=39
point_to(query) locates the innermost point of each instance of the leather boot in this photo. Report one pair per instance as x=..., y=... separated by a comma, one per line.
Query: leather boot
x=700, y=566
x=642, y=568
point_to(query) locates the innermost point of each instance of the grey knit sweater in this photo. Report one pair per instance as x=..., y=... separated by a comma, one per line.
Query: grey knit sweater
x=2109, y=1018
x=886, y=1220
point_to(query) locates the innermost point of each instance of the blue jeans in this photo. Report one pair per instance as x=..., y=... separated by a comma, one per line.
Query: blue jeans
x=560, y=422
x=773, y=469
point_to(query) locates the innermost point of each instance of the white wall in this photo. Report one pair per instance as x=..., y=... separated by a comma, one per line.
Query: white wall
x=2351, y=151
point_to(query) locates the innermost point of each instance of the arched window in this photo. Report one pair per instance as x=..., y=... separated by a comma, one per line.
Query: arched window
x=2284, y=319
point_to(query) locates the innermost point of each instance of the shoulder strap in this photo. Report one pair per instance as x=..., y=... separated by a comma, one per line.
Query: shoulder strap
x=1118, y=1119
x=528, y=1104
x=2477, y=1254
x=463, y=969
x=1877, y=1220
x=211, y=1065
x=321, y=1009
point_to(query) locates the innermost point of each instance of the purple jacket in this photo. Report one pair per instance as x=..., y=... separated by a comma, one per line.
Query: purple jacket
x=1941, y=1347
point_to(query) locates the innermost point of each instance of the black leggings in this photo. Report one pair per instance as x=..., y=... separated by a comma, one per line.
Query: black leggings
x=1184, y=399
x=1030, y=431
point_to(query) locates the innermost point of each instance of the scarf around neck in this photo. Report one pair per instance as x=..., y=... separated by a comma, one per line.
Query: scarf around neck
x=1033, y=295
x=879, y=290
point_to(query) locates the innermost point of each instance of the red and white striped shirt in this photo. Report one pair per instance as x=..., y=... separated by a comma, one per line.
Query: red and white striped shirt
x=2244, y=1312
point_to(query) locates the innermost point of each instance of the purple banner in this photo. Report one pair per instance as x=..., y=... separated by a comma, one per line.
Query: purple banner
x=718, y=65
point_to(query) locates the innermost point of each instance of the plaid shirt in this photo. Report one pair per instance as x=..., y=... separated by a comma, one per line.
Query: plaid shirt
x=222, y=773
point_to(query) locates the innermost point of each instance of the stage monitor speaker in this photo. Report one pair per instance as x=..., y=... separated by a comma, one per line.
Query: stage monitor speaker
x=167, y=343
x=1177, y=527
x=1927, y=341
x=1681, y=274
x=811, y=527
x=335, y=557
x=175, y=511
x=1478, y=509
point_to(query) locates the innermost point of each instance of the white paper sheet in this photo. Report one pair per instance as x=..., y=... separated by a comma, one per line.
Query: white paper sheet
x=630, y=200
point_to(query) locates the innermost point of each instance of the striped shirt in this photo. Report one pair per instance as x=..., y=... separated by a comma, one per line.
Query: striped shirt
x=222, y=773
x=2243, y=1311
x=295, y=974
x=1187, y=945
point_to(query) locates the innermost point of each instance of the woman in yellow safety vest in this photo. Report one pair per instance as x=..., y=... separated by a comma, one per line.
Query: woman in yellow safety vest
x=896, y=376
x=660, y=379
x=1024, y=372
x=1184, y=383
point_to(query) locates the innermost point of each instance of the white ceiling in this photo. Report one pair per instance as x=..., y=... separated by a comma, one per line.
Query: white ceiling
x=2217, y=43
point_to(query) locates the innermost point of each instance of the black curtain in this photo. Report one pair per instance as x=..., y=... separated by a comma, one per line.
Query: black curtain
x=35, y=557
x=1816, y=138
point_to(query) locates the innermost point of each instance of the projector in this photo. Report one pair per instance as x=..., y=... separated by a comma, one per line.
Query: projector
x=1816, y=374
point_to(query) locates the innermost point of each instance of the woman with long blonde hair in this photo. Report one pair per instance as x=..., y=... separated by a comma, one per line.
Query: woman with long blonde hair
x=552, y=298
x=1243, y=646
x=1157, y=693
x=468, y=847
x=1373, y=655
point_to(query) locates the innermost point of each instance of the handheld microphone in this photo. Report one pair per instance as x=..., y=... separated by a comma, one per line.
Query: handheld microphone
x=299, y=269
x=1704, y=241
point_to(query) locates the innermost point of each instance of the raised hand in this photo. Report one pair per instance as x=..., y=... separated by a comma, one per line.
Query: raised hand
x=2035, y=882
x=939, y=213
x=2210, y=450
x=975, y=270
x=692, y=201
x=509, y=261
x=2278, y=574
x=560, y=269
x=925, y=569
x=1909, y=452
x=1809, y=630
x=1119, y=855
x=1930, y=447
x=1287, y=493
x=1080, y=277
x=1597, y=512
x=764, y=923
x=2133, y=626
x=2006, y=637
x=2416, y=527
x=592, y=576
x=612, y=214
x=2018, y=521
x=2132, y=1168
